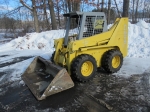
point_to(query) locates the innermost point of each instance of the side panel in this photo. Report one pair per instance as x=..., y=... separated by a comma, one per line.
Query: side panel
x=96, y=53
x=94, y=40
x=120, y=36
x=117, y=36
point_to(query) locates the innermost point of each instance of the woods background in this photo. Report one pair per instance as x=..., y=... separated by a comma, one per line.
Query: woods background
x=42, y=15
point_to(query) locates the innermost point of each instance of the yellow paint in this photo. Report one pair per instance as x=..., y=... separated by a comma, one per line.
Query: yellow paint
x=115, y=61
x=115, y=38
x=87, y=68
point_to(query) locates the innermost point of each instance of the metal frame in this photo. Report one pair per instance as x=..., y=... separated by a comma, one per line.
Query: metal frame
x=82, y=22
x=67, y=31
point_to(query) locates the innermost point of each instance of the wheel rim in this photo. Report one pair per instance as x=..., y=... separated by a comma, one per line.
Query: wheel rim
x=87, y=68
x=115, y=61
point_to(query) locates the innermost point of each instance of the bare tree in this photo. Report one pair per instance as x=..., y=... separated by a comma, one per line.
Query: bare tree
x=33, y=10
x=133, y=4
x=73, y=5
x=52, y=14
x=146, y=10
x=45, y=14
x=69, y=5
x=125, y=8
x=108, y=14
x=98, y=4
x=102, y=8
x=58, y=12
x=136, y=10
x=76, y=5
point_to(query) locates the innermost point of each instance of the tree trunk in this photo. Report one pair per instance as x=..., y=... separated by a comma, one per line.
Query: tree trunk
x=102, y=8
x=98, y=5
x=58, y=13
x=45, y=13
x=117, y=8
x=36, y=23
x=33, y=10
x=136, y=10
x=75, y=7
x=53, y=19
x=108, y=14
x=125, y=8
x=133, y=11
x=69, y=5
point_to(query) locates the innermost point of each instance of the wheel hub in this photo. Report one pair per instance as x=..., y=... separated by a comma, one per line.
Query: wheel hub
x=115, y=61
x=86, y=68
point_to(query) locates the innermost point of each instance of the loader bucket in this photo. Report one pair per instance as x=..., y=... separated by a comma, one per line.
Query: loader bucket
x=45, y=78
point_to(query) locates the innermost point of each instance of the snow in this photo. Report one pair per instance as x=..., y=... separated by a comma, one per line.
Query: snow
x=54, y=88
x=41, y=44
x=34, y=41
x=143, y=24
x=132, y=66
x=139, y=40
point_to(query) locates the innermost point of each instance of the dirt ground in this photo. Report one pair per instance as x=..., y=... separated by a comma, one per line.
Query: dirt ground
x=105, y=93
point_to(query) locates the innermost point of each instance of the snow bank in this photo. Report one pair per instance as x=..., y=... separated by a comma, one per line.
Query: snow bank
x=139, y=40
x=131, y=66
x=138, y=45
x=34, y=41
x=143, y=24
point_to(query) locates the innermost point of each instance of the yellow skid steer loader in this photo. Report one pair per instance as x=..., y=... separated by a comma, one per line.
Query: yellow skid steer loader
x=87, y=44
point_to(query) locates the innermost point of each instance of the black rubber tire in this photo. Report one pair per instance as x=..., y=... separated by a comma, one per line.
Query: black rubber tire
x=76, y=67
x=107, y=61
x=52, y=57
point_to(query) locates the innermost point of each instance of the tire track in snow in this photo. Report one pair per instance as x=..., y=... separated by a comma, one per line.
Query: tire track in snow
x=14, y=60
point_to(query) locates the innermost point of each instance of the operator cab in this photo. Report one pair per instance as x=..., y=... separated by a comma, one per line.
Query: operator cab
x=84, y=24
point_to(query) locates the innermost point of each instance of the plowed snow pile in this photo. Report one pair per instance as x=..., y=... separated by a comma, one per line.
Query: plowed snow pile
x=34, y=41
x=139, y=40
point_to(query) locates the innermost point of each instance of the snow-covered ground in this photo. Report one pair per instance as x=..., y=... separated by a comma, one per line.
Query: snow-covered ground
x=41, y=44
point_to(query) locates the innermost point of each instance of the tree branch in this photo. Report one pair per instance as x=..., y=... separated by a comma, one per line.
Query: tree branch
x=28, y=7
x=13, y=11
